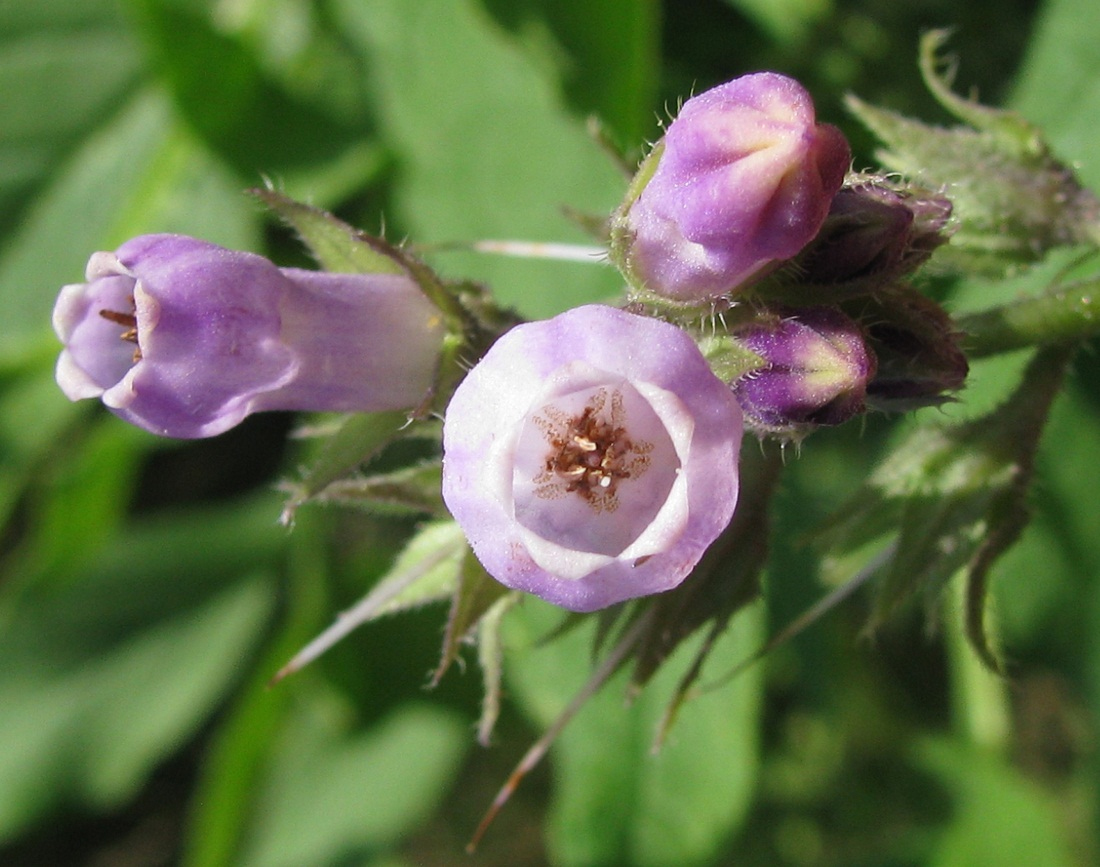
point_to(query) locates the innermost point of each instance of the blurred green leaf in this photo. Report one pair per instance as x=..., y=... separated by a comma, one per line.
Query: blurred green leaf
x=1000, y=817
x=93, y=728
x=487, y=149
x=241, y=749
x=33, y=415
x=607, y=53
x=63, y=67
x=334, y=794
x=1058, y=86
x=614, y=801
x=786, y=21
x=137, y=173
x=220, y=86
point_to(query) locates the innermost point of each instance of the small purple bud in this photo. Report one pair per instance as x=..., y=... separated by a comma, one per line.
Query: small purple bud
x=816, y=370
x=744, y=177
x=185, y=338
x=592, y=457
x=874, y=233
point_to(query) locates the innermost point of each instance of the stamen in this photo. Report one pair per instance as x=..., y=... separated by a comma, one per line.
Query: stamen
x=129, y=321
x=589, y=454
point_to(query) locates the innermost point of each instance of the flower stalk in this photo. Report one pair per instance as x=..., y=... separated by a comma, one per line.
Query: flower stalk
x=1063, y=315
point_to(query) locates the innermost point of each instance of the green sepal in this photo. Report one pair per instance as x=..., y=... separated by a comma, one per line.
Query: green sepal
x=407, y=491
x=474, y=594
x=1013, y=200
x=956, y=497
x=725, y=581
x=358, y=439
x=427, y=570
x=916, y=345
x=727, y=357
x=335, y=245
x=621, y=237
x=490, y=657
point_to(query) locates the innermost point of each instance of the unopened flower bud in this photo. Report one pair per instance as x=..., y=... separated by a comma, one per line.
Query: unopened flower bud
x=917, y=346
x=592, y=457
x=874, y=233
x=742, y=179
x=816, y=369
x=185, y=338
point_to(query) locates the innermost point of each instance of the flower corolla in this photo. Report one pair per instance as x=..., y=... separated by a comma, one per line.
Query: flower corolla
x=185, y=338
x=592, y=457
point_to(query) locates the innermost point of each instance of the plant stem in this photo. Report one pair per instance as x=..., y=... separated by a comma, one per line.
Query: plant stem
x=1069, y=313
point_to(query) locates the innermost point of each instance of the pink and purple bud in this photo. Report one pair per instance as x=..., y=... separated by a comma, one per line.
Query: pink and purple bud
x=742, y=179
x=816, y=370
x=591, y=458
x=185, y=338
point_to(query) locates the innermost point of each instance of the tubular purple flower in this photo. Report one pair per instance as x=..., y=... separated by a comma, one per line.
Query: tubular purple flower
x=185, y=338
x=592, y=457
x=742, y=179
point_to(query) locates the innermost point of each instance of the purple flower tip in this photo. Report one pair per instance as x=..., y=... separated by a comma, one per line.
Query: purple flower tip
x=817, y=367
x=744, y=178
x=592, y=457
x=185, y=338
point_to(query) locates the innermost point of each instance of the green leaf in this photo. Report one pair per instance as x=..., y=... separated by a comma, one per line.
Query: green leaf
x=787, y=21
x=957, y=496
x=93, y=730
x=488, y=150
x=615, y=802
x=1058, y=86
x=999, y=816
x=333, y=793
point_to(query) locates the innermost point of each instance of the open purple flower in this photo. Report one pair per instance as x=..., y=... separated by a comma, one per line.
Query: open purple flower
x=743, y=178
x=592, y=457
x=185, y=338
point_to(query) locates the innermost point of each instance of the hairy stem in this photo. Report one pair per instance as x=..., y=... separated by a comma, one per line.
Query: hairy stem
x=1069, y=313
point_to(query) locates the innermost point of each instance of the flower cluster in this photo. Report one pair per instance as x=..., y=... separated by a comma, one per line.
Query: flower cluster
x=593, y=457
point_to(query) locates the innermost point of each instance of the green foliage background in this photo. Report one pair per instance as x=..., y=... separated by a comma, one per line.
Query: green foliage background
x=147, y=593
